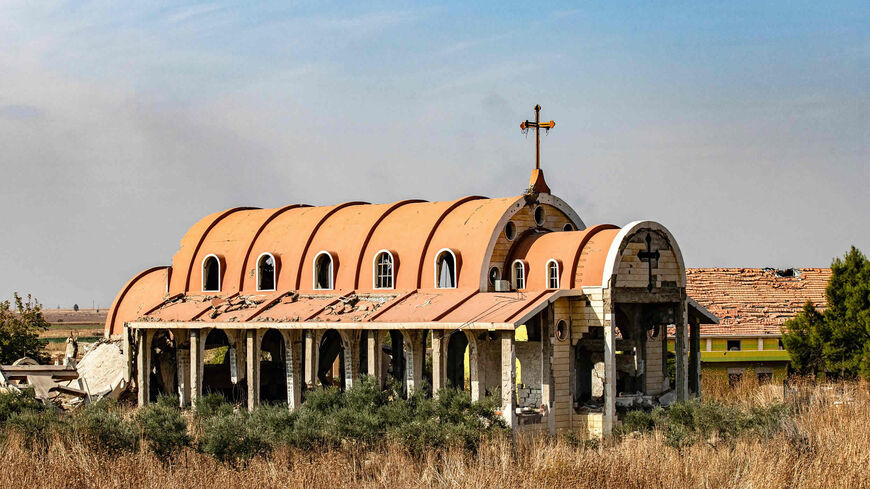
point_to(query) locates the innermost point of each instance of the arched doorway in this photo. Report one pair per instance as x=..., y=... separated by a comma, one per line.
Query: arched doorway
x=273, y=367
x=218, y=356
x=330, y=360
x=394, y=348
x=164, y=365
x=457, y=345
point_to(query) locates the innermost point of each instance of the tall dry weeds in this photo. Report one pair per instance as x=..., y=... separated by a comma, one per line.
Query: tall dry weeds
x=825, y=444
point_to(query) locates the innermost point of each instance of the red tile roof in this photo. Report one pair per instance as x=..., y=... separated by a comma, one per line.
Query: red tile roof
x=754, y=301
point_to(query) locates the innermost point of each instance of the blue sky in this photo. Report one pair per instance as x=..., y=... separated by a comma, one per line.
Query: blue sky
x=743, y=127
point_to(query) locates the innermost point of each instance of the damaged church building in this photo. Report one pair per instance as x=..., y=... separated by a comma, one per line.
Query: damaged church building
x=514, y=297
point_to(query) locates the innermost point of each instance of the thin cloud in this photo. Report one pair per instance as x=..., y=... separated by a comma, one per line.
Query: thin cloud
x=21, y=112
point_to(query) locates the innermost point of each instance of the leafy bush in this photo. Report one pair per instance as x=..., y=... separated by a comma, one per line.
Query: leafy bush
x=13, y=403
x=101, y=426
x=212, y=404
x=688, y=422
x=233, y=437
x=163, y=426
x=37, y=426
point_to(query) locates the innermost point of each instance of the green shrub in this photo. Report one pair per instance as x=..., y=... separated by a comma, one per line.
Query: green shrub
x=37, y=426
x=212, y=404
x=636, y=422
x=101, y=425
x=14, y=403
x=233, y=437
x=163, y=427
x=688, y=422
x=276, y=422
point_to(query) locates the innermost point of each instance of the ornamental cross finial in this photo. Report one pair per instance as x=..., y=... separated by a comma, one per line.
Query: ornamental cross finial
x=537, y=125
x=649, y=255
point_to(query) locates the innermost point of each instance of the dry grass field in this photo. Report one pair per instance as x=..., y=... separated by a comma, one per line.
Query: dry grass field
x=824, y=444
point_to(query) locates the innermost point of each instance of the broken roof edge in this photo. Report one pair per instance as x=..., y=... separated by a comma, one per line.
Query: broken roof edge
x=316, y=325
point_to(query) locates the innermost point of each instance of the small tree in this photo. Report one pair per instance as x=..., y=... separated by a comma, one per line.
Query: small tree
x=21, y=322
x=837, y=340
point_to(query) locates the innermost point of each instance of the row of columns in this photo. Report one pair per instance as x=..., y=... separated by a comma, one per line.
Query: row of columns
x=190, y=348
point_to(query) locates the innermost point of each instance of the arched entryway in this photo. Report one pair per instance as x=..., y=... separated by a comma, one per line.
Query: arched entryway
x=330, y=360
x=218, y=357
x=394, y=348
x=273, y=367
x=164, y=365
x=457, y=345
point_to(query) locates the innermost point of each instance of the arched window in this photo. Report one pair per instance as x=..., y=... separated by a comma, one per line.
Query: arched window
x=445, y=269
x=519, y=275
x=383, y=270
x=552, y=274
x=323, y=271
x=266, y=272
x=211, y=274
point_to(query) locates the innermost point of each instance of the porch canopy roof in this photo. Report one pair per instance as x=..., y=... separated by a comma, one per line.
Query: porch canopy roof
x=414, y=309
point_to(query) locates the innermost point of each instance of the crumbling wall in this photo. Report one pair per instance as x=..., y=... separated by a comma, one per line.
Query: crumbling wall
x=529, y=391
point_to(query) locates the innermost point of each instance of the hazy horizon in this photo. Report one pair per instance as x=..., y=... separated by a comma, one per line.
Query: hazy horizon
x=742, y=127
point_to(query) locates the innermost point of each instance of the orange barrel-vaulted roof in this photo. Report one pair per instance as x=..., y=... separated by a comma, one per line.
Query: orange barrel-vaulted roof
x=142, y=292
x=566, y=248
x=353, y=233
x=413, y=231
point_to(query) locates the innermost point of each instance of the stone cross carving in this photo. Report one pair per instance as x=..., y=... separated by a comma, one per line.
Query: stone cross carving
x=649, y=255
x=537, y=125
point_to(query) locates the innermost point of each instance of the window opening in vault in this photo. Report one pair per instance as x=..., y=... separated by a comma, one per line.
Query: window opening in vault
x=384, y=270
x=445, y=271
x=211, y=274
x=552, y=274
x=266, y=272
x=323, y=271
x=519, y=275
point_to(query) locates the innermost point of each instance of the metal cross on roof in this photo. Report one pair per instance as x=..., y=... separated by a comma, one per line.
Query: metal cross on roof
x=537, y=125
x=649, y=256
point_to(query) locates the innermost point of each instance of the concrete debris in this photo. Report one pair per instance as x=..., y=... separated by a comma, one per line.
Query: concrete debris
x=102, y=370
x=668, y=398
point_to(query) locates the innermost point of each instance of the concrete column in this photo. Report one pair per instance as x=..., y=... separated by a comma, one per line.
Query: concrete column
x=414, y=353
x=439, y=361
x=143, y=365
x=182, y=362
x=374, y=355
x=293, y=368
x=252, y=355
x=547, y=390
x=474, y=366
x=196, y=365
x=312, y=348
x=238, y=355
x=609, y=375
x=508, y=378
x=350, y=344
x=681, y=352
x=695, y=358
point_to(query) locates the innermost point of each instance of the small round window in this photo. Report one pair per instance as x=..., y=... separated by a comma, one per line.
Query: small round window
x=510, y=230
x=494, y=274
x=539, y=216
x=562, y=330
x=568, y=227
